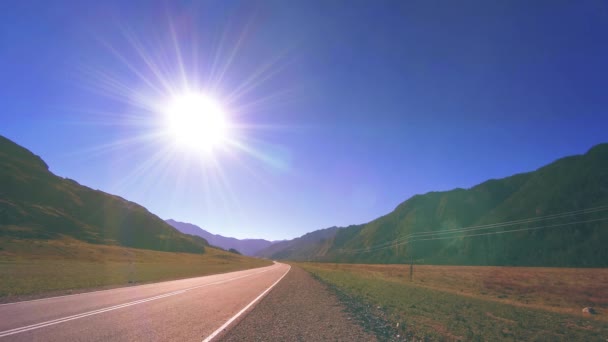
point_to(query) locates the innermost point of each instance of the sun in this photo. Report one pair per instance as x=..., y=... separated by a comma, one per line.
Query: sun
x=196, y=121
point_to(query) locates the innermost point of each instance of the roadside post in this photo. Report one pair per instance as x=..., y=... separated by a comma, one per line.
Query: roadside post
x=411, y=268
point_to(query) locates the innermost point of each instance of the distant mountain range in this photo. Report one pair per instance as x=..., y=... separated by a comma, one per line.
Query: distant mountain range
x=244, y=246
x=36, y=204
x=461, y=226
x=554, y=216
x=306, y=247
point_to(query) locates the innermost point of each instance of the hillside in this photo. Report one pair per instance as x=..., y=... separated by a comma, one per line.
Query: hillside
x=245, y=246
x=306, y=247
x=36, y=204
x=568, y=184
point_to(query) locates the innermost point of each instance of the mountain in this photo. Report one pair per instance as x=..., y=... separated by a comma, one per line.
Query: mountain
x=307, y=247
x=566, y=185
x=36, y=204
x=245, y=246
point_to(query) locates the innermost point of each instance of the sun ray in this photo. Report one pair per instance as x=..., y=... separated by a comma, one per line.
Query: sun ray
x=132, y=68
x=150, y=63
x=234, y=52
x=259, y=76
x=178, y=54
x=263, y=101
x=143, y=171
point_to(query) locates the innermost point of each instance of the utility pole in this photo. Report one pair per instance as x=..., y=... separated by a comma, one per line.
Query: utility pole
x=411, y=253
x=412, y=268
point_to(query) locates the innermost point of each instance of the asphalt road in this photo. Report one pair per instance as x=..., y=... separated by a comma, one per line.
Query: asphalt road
x=181, y=310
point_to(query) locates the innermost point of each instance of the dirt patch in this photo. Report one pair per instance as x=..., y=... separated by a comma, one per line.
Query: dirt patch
x=573, y=325
x=489, y=314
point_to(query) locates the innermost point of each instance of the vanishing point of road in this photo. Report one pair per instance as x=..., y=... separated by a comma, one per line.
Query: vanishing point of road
x=194, y=309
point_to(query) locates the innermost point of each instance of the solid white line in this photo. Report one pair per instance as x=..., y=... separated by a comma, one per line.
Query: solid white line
x=116, y=288
x=115, y=307
x=225, y=325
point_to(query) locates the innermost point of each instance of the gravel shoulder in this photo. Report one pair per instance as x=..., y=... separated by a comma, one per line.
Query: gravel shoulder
x=299, y=308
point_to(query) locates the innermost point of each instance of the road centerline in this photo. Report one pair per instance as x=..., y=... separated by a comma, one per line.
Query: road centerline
x=116, y=307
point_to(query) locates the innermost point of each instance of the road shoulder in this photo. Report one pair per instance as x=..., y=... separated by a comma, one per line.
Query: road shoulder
x=299, y=308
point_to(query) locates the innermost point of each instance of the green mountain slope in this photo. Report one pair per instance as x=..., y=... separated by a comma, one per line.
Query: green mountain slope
x=308, y=246
x=36, y=204
x=568, y=184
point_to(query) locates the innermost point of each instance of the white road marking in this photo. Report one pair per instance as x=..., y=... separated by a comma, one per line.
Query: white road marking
x=76, y=294
x=115, y=307
x=90, y=313
x=225, y=325
x=116, y=288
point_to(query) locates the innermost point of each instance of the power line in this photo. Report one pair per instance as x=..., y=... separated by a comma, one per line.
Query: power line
x=511, y=223
x=505, y=231
x=492, y=225
x=414, y=236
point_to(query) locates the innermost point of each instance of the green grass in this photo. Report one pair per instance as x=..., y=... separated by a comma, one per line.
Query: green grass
x=439, y=314
x=38, y=267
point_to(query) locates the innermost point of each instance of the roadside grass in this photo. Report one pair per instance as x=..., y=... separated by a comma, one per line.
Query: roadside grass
x=455, y=303
x=32, y=268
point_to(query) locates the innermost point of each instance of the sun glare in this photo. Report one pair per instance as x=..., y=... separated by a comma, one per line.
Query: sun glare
x=196, y=121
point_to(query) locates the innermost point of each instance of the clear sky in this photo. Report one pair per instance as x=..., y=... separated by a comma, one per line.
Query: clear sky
x=341, y=109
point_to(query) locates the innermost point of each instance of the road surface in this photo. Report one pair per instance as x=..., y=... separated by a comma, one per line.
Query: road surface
x=193, y=309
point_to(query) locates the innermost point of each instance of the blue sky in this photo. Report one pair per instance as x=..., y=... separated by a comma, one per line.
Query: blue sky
x=354, y=106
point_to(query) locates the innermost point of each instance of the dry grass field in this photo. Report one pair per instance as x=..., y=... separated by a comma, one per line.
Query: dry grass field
x=480, y=303
x=30, y=268
x=556, y=289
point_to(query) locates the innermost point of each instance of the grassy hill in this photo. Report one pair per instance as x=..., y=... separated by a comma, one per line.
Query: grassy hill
x=59, y=237
x=301, y=248
x=39, y=268
x=568, y=184
x=36, y=204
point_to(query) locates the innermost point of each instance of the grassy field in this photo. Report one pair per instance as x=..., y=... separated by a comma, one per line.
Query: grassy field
x=37, y=267
x=479, y=303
